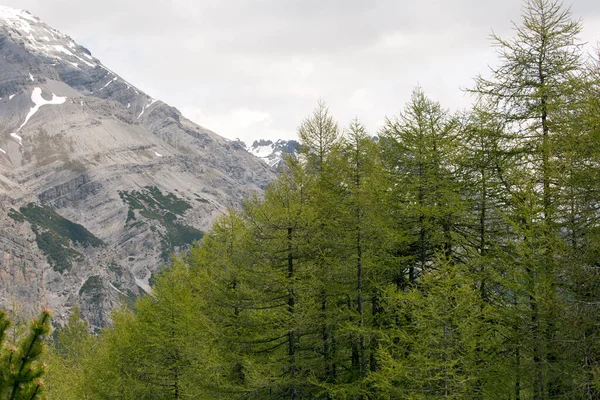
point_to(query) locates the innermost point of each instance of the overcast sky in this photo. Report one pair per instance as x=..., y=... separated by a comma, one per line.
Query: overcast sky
x=254, y=69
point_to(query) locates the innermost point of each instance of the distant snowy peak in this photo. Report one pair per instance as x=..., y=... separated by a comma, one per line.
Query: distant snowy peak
x=271, y=152
x=261, y=148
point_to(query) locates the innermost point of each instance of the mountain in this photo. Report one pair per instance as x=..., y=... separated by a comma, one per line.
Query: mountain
x=99, y=182
x=271, y=152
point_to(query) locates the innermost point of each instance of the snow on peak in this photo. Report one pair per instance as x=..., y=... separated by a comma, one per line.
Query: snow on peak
x=261, y=148
x=272, y=152
x=56, y=48
x=13, y=15
x=39, y=38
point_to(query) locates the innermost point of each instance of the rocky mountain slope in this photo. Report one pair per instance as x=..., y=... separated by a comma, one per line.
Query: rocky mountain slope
x=99, y=182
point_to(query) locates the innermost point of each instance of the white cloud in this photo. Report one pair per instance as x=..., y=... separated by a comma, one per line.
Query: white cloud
x=360, y=102
x=240, y=123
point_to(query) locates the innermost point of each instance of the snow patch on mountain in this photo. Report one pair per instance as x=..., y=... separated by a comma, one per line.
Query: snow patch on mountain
x=38, y=101
x=17, y=138
x=109, y=82
x=150, y=102
x=144, y=283
x=114, y=287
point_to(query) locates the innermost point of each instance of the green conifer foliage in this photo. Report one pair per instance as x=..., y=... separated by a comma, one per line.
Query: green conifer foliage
x=68, y=357
x=535, y=86
x=21, y=369
x=419, y=148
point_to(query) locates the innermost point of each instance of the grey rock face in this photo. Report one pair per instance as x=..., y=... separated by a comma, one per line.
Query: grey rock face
x=79, y=140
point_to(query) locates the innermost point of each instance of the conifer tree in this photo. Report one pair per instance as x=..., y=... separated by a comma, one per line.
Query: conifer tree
x=276, y=285
x=432, y=350
x=357, y=206
x=21, y=369
x=535, y=83
x=254, y=264
x=166, y=349
x=318, y=134
x=68, y=358
x=483, y=227
x=418, y=148
x=114, y=362
x=220, y=271
x=579, y=152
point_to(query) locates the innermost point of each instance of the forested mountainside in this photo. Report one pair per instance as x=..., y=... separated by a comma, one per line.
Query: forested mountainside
x=457, y=257
x=99, y=182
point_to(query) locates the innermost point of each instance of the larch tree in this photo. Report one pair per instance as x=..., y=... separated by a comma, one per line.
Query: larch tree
x=318, y=134
x=68, y=358
x=535, y=83
x=21, y=369
x=418, y=149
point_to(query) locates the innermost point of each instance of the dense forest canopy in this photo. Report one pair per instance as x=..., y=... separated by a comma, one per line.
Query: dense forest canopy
x=455, y=255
